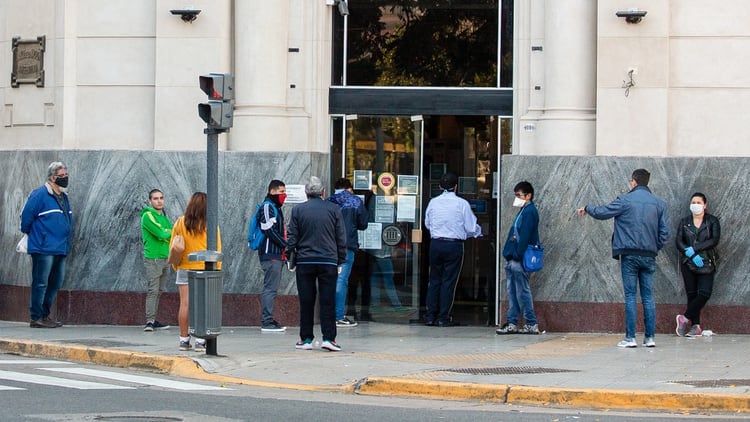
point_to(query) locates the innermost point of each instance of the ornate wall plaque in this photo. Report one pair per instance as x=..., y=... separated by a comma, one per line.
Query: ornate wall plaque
x=28, y=61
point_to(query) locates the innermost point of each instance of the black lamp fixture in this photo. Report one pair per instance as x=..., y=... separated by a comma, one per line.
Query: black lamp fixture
x=187, y=15
x=631, y=15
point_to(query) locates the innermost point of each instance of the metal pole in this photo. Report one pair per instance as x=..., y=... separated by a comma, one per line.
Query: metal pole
x=212, y=209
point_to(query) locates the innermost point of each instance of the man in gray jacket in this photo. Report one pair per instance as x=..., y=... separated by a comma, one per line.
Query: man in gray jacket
x=641, y=229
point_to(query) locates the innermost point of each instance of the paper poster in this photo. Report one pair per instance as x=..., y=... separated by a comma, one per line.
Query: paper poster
x=407, y=208
x=295, y=194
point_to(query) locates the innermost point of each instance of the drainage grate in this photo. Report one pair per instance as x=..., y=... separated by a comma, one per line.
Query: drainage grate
x=509, y=370
x=715, y=383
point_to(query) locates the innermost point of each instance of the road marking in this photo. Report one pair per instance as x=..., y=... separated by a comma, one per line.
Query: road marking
x=157, y=382
x=5, y=387
x=32, y=362
x=59, y=382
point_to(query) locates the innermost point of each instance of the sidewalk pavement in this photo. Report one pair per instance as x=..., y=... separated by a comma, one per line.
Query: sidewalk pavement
x=457, y=363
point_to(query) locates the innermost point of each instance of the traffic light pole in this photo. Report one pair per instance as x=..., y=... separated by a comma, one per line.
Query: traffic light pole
x=212, y=210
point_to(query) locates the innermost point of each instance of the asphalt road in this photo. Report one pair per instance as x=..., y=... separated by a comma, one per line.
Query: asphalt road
x=48, y=390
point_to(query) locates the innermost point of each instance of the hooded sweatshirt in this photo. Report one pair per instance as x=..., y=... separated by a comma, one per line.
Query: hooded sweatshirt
x=156, y=230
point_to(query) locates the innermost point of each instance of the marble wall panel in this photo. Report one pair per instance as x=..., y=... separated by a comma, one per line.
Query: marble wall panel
x=109, y=188
x=578, y=262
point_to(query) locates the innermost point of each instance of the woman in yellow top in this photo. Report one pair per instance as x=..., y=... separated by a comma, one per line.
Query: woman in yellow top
x=192, y=227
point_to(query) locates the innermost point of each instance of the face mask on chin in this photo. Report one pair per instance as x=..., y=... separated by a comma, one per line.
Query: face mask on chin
x=518, y=202
x=696, y=208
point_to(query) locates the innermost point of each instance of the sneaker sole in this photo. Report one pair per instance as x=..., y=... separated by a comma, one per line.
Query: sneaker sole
x=148, y=329
x=679, y=325
x=307, y=346
x=331, y=348
x=272, y=330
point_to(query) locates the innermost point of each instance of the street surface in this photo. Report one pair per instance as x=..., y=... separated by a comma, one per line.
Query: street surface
x=51, y=390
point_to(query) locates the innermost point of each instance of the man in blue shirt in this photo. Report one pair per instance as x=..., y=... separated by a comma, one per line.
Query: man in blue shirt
x=641, y=229
x=450, y=221
x=524, y=232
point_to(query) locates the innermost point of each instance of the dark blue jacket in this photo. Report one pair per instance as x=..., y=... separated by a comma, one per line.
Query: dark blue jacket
x=355, y=215
x=527, y=226
x=641, y=222
x=274, y=247
x=48, y=223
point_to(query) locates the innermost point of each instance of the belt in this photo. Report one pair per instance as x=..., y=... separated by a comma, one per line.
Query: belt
x=447, y=239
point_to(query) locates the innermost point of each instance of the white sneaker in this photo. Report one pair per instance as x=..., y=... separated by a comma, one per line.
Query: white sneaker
x=627, y=342
x=330, y=345
x=200, y=345
x=346, y=322
x=649, y=342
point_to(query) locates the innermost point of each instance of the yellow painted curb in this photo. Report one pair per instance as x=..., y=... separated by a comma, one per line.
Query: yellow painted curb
x=388, y=386
x=171, y=365
x=629, y=399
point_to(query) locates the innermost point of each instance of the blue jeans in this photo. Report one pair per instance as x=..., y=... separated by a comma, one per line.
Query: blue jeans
x=342, y=283
x=382, y=274
x=638, y=272
x=47, y=275
x=519, y=294
x=271, y=280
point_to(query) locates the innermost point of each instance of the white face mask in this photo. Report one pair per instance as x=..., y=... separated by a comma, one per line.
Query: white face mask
x=518, y=202
x=697, y=208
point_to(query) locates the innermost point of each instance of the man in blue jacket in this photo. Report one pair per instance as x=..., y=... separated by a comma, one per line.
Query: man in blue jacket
x=641, y=229
x=355, y=218
x=524, y=232
x=272, y=252
x=48, y=221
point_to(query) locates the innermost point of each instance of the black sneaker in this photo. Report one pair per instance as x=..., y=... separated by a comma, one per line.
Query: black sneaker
x=149, y=327
x=52, y=321
x=346, y=322
x=273, y=327
x=159, y=326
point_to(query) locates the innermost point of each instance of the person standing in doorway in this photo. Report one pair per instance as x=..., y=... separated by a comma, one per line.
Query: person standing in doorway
x=156, y=230
x=641, y=229
x=450, y=221
x=524, y=232
x=355, y=218
x=317, y=237
x=47, y=220
x=697, y=237
x=272, y=252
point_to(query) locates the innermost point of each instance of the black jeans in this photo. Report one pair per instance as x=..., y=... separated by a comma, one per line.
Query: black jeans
x=312, y=278
x=698, y=288
x=446, y=259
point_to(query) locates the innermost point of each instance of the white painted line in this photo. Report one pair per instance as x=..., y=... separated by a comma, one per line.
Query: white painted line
x=32, y=362
x=5, y=387
x=59, y=382
x=157, y=382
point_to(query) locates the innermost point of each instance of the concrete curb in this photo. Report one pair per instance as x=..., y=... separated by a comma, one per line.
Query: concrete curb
x=172, y=365
x=552, y=396
x=394, y=386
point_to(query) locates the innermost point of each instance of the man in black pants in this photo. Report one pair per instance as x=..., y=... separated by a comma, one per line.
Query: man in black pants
x=317, y=237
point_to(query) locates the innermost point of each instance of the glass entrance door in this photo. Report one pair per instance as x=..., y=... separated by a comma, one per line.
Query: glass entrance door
x=382, y=158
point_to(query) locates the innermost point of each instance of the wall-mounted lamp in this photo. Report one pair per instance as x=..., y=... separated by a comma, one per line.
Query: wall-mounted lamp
x=187, y=15
x=341, y=4
x=631, y=15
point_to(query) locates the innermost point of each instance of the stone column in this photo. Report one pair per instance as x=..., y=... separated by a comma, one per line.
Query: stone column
x=567, y=122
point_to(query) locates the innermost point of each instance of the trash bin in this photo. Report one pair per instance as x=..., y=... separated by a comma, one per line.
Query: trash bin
x=205, y=289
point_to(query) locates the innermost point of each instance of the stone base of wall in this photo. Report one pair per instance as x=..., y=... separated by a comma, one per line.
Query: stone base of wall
x=127, y=308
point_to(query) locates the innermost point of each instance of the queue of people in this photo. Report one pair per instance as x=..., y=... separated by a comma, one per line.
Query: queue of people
x=320, y=241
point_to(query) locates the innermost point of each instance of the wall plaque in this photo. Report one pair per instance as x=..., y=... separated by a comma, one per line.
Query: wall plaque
x=28, y=61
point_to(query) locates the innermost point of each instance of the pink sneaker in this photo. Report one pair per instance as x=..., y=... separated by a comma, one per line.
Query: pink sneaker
x=683, y=325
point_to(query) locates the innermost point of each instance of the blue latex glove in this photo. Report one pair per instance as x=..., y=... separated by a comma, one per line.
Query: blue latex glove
x=698, y=261
x=689, y=252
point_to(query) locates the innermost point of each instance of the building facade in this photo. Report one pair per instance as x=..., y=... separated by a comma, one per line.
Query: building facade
x=565, y=94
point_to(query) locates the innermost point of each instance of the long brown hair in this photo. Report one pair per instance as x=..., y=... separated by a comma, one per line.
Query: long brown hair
x=195, y=213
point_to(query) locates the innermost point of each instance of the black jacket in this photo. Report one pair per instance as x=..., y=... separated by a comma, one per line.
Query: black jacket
x=702, y=239
x=316, y=233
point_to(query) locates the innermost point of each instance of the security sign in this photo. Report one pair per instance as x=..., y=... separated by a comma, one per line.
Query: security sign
x=386, y=181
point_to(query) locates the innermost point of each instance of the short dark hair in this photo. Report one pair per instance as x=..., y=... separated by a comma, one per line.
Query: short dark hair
x=275, y=184
x=448, y=181
x=153, y=191
x=641, y=177
x=524, y=187
x=342, y=183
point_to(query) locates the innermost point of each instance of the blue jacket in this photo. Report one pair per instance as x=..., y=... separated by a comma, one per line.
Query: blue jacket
x=355, y=215
x=274, y=247
x=527, y=225
x=641, y=222
x=47, y=222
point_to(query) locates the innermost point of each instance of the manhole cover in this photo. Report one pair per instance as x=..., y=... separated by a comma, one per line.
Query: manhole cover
x=509, y=370
x=715, y=383
x=100, y=342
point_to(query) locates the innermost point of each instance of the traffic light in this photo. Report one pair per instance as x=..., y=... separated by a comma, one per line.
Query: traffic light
x=218, y=112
